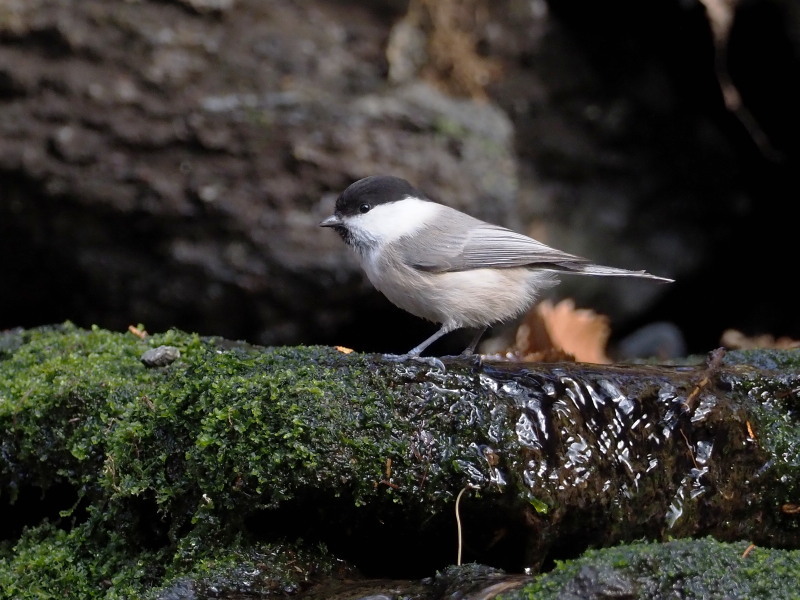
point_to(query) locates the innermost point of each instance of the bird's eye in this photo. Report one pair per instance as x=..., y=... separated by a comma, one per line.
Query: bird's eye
x=364, y=208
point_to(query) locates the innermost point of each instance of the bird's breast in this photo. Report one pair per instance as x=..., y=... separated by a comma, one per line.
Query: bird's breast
x=471, y=298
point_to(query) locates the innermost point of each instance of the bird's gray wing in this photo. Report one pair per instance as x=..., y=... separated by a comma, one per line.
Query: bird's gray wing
x=462, y=243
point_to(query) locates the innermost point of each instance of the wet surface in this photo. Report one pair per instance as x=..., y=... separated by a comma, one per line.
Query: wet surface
x=609, y=453
x=399, y=469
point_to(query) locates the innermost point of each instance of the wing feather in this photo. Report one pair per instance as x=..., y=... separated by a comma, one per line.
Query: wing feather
x=466, y=243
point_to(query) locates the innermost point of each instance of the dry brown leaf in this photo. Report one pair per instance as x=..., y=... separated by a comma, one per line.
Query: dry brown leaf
x=562, y=332
x=736, y=340
x=140, y=333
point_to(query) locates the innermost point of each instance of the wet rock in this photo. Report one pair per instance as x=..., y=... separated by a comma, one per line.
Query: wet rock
x=702, y=568
x=161, y=356
x=237, y=444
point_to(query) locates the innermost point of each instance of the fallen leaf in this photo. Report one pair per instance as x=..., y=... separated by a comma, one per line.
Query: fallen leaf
x=563, y=332
x=734, y=339
x=140, y=333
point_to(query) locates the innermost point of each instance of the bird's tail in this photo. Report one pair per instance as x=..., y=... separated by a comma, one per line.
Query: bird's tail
x=591, y=269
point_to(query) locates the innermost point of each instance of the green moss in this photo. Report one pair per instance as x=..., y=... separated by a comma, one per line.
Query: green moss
x=252, y=570
x=185, y=470
x=61, y=392
x=50, y=563
x=775, y=422
x=185, y=455
x=765, y=359
x=450, y=127
x=218, y=417
x=678, y=569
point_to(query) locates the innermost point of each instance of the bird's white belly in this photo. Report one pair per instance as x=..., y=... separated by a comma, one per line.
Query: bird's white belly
x=473, y=298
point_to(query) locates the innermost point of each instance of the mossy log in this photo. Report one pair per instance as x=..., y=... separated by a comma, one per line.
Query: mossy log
x=230, y=444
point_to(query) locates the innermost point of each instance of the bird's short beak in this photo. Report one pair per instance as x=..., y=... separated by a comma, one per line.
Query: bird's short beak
x=332, y=221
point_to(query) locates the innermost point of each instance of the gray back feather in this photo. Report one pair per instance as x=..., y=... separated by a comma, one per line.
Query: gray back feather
x=463, y=243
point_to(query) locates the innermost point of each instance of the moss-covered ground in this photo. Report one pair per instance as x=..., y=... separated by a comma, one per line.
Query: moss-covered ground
x=221, y=468
x=158, y=468
x=688, y=569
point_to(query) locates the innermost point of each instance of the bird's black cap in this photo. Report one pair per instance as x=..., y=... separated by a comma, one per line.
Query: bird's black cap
x=371, y=191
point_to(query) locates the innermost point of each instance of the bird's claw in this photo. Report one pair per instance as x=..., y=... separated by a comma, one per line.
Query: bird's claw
x=476, y=360
x=428, y=360
x=468, y=358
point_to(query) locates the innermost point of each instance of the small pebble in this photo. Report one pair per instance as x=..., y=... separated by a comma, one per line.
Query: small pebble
x=161, y=356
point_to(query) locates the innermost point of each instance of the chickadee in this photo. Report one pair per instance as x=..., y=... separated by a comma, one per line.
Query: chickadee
x=446, y=266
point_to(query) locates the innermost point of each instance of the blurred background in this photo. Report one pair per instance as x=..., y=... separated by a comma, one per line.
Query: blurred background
x=166, y=163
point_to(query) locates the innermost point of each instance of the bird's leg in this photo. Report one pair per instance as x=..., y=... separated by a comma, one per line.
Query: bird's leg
x=414, y=353
x=469, y=350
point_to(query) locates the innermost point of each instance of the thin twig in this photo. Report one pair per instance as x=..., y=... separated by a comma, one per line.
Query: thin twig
x=458, y=524
x=458, y=519
x=721, y=14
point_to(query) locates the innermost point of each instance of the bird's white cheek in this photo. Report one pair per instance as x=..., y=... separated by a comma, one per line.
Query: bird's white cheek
x=389, y=222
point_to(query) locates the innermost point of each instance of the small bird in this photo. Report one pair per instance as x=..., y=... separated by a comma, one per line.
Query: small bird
x=445, y=266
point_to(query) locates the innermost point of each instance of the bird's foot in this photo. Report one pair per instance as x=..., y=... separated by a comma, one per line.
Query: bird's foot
x=428, y=360
x=469, y=358
x=476, y=360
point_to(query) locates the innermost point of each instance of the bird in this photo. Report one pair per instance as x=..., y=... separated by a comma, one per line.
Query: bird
x=445, y=266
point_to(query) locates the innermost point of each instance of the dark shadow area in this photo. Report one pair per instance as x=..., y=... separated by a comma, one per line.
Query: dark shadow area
x=387, y=548
x=33, y=505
